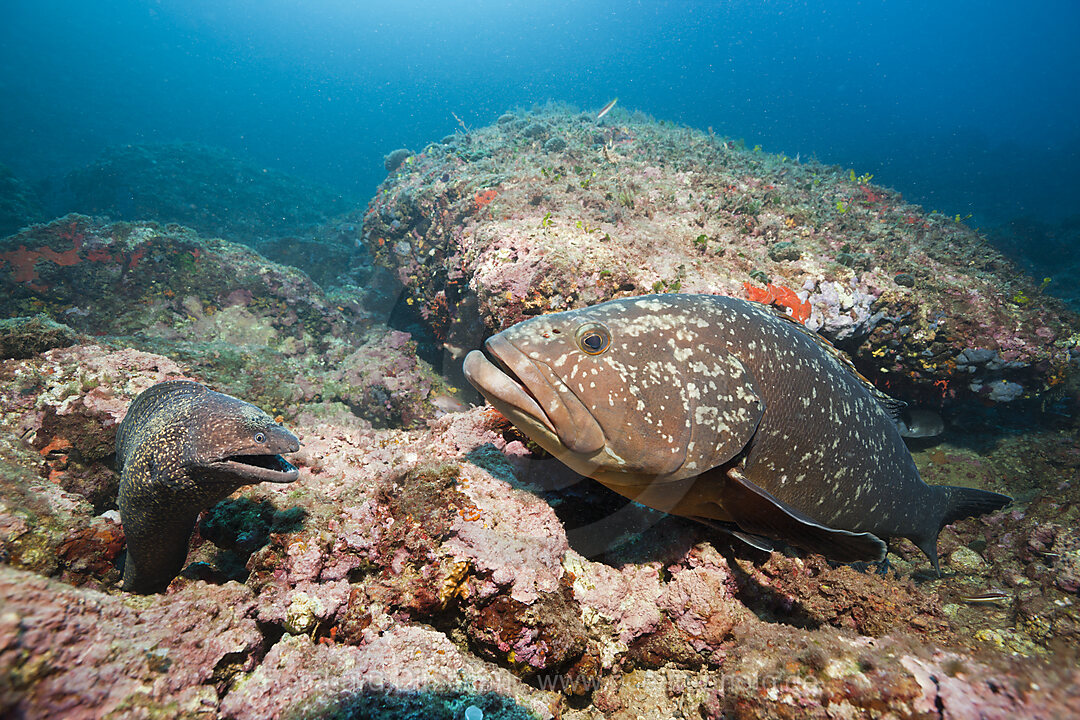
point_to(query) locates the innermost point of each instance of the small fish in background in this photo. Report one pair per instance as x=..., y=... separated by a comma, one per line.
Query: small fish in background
x=919, y=423
x=448, y=403
x=456, y=352
x=606, y=109
x=991, y=597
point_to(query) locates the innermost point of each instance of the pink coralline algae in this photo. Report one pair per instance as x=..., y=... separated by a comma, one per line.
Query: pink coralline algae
x=623, y=599
x=299, y=677
x=700, y=599
x=957, y=689
x=105, y=656
x=413, y=566
x=618, y=210
x=513, y=537
x=429, y=560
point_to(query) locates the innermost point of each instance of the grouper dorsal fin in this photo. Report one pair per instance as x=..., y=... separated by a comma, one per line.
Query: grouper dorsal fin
x=889, y=404
x=758, y=512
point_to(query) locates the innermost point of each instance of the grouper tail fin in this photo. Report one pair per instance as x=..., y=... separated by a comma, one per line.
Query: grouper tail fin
x=962, y=502
x=959, y=503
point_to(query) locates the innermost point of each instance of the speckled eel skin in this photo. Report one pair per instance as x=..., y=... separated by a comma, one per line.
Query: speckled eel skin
x=181, y=448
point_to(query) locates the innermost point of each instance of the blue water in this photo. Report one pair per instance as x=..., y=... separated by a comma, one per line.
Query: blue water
x=966, y=107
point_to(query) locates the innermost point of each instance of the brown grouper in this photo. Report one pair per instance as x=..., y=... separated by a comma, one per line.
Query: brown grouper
x=181, y=448
x=719, y=409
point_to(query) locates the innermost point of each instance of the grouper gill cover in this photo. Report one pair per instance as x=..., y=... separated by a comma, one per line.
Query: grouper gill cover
x=719, y=409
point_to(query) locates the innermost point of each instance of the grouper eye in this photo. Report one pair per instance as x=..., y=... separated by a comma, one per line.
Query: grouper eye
x=593, y=338
x=260, y=437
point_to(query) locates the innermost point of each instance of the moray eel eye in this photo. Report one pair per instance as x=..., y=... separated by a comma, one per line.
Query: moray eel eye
x=260, y=437
x=593, y=338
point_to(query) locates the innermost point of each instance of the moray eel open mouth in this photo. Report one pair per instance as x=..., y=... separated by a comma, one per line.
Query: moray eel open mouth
x=257, y=468
x=521, y=388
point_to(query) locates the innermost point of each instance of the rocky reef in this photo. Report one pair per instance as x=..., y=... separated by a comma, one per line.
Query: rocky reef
x=425, y=569
x=252, y=328
x=218, y=194
x=550, y=210
x=428, y=562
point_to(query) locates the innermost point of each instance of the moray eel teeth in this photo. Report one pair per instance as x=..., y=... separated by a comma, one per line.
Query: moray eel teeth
x=257, y=468
x=180, y=449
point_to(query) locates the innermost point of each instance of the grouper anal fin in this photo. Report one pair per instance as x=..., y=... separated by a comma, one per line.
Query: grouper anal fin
x=757, y=542
x=758, y=512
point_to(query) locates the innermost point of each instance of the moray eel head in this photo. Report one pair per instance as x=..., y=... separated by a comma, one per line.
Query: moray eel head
x=245, y=447
x=182, y=448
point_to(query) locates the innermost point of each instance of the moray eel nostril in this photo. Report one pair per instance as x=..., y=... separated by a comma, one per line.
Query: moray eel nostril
x=181, y=448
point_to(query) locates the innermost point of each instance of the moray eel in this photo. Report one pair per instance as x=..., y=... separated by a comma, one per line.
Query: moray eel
x=721, y=410
x=181, y=448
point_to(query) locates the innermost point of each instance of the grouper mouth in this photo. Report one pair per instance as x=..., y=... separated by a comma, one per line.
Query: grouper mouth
x=256, y=468
x=525, y=389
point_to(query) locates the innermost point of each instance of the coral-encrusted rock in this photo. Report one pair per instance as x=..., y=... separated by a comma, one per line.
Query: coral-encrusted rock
x=58, y=414
x=24, y=337
x=630, y=206
x=67, y=403
x=798, y=674
x=419, y=572
x=82, y=654
x=299, y=679
x=795, y=673
x=809, y=589
x=431, y=536
x=34, y=516
x=700, y=599
x=246, y=326
x=512, y=538
x=618, y=605
x=1033, y=564
x=543, y=636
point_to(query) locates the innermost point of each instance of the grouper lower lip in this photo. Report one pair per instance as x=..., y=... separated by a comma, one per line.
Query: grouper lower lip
x=497, y=386
x=534, y=393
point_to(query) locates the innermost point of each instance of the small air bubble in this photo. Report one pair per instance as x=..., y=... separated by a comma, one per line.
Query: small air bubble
x=474, y=713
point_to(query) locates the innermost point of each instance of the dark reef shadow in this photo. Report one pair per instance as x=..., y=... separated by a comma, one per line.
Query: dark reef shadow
x=606, y=527
x=600, y=524
x=376, y=704
x=239, y=527
x=767, y=603
x=979, y=426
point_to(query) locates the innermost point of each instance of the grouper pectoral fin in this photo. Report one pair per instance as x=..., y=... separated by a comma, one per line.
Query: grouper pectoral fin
x=757, y=542
x=757, y=512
